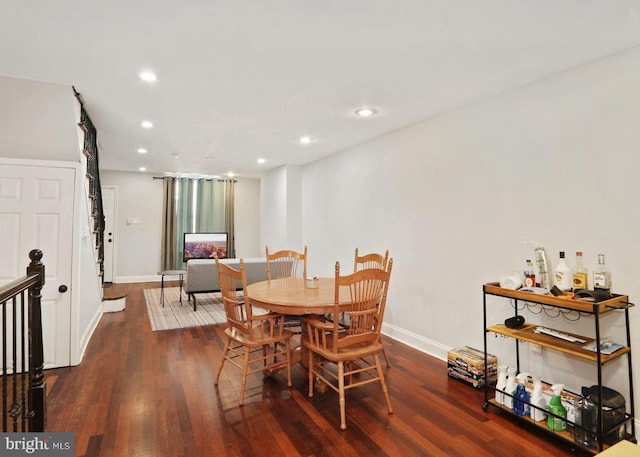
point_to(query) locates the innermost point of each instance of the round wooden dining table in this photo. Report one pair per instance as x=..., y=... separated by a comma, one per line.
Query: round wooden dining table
x=291, y=296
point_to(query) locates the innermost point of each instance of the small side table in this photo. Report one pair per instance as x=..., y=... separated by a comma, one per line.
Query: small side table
x=164, y=273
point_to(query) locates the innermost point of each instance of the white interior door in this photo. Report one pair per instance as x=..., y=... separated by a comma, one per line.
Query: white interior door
x=36, y=212
x=109, y=209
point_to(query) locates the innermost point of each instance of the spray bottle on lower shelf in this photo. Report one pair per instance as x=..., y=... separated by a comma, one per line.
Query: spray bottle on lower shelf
x=538, y=405
x=501, y=384
x=510, y=389
x=557, y=420
x=522, y=399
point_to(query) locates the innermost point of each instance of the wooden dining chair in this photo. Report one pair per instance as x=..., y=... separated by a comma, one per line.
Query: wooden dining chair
x=372, y=260
x=255, y=343
x=344, y=359
x=285, y=263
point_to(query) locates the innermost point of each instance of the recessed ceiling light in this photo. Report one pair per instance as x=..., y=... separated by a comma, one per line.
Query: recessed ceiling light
x=146, y=124
x=142, y=169
x=365, y=112
x=142, y=151
x=262, y=161
x=148, y=76
x=305, y=140
x=230, y=174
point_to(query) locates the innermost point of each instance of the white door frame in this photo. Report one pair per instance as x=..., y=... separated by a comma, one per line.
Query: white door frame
x=110, y=258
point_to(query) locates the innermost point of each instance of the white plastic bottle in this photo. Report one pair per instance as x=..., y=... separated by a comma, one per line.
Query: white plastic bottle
x=510, y=389
x=501, y=384
x=563, y=274
x=538, y=404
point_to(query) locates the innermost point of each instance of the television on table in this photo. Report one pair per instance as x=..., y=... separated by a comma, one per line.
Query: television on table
x=204, y=246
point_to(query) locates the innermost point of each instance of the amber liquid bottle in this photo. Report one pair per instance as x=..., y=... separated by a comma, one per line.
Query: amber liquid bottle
x=580, y=274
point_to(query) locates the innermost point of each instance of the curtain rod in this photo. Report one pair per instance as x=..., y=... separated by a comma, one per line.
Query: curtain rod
x=204, y=179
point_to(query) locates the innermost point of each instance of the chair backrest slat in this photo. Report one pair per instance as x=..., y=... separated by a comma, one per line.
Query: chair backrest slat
x=285, y=263
x=365, y=312
x=232, y=286
x=373, y=260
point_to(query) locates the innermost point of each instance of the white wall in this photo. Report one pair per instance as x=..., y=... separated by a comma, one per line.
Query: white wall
x=281, y=209
x=138, y=245
x=247, y=218
x=454, y=197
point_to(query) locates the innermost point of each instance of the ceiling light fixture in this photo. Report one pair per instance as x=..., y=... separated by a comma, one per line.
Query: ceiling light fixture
x=365, y=112
x=230, y=174
x=142, y=169
x=305, y=140
x=146, y=124
x=148, y=76
x=262, y=161
x=142, y=151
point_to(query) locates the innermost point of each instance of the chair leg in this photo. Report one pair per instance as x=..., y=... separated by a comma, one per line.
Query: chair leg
x=224, y=357
x=287, y=346
x=383, y=383
x=245, y=368
x=343, y=419
x=310, y=368
x=386, y=358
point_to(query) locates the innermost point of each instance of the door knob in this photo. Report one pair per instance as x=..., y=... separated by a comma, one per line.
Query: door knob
x=62, y=289
x=109, y=240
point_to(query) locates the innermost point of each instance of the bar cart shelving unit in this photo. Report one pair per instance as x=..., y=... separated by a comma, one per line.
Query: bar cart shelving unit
x=525, y=333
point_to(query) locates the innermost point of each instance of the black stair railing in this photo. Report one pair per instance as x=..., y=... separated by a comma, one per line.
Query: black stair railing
x=23, y=382
x=90, y=151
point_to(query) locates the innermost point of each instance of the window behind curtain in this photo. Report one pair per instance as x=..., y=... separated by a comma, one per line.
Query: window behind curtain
x=194, y=205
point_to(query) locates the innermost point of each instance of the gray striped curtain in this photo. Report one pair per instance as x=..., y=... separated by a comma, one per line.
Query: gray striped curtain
x=195, y=206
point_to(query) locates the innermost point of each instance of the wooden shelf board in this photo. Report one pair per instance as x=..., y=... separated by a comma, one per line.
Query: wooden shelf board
x=616, y=302
x=526, y=333
x=566, y=435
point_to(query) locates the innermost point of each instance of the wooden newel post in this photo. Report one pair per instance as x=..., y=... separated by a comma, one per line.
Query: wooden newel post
x=37, y=400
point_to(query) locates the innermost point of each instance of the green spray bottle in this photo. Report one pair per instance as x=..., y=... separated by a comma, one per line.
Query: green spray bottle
x=557, y=413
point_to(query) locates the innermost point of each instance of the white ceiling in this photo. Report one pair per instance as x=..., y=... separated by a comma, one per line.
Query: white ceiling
x=244, y=79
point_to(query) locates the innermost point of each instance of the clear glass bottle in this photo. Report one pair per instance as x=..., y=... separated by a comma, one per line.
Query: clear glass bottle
x=563, y=274
x=580, y=273
x=586, y=429
x=529, y=274
x=544, y=268
x=601, y=275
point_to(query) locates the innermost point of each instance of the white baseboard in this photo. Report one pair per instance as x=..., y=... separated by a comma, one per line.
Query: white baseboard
x=86, y=337
x=416, y=341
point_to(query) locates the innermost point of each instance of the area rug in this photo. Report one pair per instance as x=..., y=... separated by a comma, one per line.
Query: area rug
x=173, y=315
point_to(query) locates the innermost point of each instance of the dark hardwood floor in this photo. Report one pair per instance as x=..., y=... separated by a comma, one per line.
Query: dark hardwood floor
x=143, y=393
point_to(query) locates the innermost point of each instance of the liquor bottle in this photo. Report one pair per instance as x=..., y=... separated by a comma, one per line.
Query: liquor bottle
x=580, y=273
x=563, y=274
x=601, y=275
x=544, y=268
x=529, y=274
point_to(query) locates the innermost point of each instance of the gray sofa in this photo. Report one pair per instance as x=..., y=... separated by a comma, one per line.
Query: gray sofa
x=202, y=274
